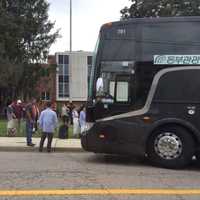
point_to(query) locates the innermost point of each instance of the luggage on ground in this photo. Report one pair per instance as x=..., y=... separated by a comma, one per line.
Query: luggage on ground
x=63, y=132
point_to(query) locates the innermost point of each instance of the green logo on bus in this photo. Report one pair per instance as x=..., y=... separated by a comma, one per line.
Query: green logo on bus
x=176, y=59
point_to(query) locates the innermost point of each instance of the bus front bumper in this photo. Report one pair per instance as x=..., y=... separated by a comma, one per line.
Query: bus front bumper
x=95, y=139
x=88, y=138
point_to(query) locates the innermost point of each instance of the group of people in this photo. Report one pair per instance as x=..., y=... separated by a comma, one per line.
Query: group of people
x=46, y=119
x=75, y=116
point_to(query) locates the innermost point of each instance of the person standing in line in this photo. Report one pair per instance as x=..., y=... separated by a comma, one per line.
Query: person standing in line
x=32, y=113
x=65, y=114
x=48, y=122
x=18, y=110
x=11, y=126
x=82, y=119
x=76, y=125
x=36, y=112
x=71, y=108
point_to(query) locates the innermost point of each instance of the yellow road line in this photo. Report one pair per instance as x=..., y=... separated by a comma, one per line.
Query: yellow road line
x=60, y=192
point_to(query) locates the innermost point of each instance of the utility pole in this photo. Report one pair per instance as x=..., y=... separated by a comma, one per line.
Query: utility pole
x=70, y=48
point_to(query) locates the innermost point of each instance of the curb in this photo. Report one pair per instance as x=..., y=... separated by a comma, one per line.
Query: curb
x=35, y=149
x=69, y=149
x=18, y=149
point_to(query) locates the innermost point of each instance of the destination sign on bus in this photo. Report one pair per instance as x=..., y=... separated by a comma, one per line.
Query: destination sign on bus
x=176, y=59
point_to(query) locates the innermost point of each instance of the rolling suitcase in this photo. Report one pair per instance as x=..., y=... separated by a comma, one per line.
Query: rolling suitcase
x=63, y=132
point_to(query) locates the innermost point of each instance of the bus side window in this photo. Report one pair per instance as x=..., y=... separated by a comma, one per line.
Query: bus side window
x=122, y=90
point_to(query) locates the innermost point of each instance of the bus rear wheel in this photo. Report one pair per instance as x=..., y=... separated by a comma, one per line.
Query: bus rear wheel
x=171, y=147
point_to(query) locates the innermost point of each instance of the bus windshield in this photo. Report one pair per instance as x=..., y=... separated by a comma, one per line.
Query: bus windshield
x=105, y=84
x=93, y=70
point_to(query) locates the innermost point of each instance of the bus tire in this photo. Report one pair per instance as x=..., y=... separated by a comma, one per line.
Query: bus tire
x=171, y=147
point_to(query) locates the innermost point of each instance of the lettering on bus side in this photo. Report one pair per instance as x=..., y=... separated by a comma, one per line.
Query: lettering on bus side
x=176, y=59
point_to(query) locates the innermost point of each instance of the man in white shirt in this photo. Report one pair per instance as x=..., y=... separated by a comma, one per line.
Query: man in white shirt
x=48, y=122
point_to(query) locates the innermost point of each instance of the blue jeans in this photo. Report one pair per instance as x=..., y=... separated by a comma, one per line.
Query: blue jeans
x=29, y=132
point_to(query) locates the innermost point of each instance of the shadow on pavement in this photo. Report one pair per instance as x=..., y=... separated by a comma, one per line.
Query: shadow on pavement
x=117, y=160
x=194, y=166
x=133, y=161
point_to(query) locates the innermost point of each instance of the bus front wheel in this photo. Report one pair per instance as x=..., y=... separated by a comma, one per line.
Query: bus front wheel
x=171, y=147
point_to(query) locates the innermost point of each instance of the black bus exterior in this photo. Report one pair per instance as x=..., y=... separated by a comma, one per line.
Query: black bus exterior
x=144, y=96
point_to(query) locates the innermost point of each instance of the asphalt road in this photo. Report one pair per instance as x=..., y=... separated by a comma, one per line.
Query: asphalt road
x=82, y=171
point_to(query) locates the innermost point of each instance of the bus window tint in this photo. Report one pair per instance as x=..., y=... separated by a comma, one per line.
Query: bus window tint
x=120, y=49
x=172, y=38
x=144, y=74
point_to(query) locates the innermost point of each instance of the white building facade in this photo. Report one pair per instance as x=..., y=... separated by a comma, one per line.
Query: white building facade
x=72, y=77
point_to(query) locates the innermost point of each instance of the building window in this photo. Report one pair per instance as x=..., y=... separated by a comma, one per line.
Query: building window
x=45, y=72
x=63, y=76
x=45, y=96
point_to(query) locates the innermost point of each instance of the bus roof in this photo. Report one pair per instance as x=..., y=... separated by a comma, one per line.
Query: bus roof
x=140, y=39
x=152, y=20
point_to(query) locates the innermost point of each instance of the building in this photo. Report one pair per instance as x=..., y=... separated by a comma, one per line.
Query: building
x=69, y=81
x=72, y=77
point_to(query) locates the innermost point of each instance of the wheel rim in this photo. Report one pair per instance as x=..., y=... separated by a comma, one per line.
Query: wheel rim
x=168, y=146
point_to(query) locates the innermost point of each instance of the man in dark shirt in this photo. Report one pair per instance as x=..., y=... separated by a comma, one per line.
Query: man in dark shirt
x=32, y=114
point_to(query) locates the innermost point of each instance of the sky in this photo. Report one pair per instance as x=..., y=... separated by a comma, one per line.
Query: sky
x=87, y=18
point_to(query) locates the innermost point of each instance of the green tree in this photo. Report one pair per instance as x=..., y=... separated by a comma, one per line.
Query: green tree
x=161, y=8
x=25, y=38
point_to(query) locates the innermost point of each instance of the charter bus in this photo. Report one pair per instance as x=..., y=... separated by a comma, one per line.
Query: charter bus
x=144, y=96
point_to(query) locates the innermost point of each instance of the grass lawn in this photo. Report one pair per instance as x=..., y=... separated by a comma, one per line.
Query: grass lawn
x=22, y=133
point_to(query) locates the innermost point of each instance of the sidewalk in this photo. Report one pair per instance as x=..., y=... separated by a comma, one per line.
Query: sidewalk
x=58, y=145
